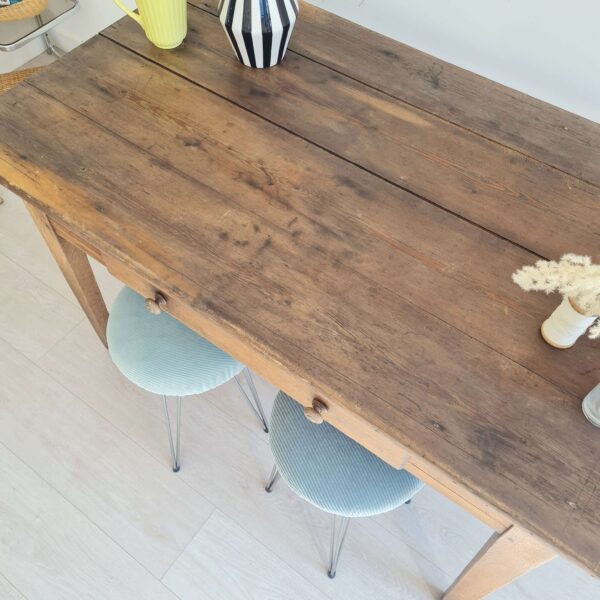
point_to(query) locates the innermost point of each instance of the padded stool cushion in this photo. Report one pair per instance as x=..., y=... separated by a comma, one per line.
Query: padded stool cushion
x=159, y=354
x=331, y=471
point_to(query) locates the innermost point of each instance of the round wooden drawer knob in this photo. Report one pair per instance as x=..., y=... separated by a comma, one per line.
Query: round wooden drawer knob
x=316, y=412
x=156, y=305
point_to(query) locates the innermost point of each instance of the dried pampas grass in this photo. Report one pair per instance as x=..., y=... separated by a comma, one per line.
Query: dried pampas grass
x=573, y=276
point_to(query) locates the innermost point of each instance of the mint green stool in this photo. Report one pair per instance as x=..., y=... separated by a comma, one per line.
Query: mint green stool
x=163, y=356
x=333, y=472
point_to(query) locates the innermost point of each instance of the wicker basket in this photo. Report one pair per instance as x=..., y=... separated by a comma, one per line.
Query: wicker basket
x=22, y=10
x=9, y=80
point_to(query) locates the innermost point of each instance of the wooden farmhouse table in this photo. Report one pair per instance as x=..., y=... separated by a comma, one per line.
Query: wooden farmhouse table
x=346, y=224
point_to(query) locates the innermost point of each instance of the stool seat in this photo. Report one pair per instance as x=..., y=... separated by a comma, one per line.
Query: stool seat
x=159, y=354
x=331, y=471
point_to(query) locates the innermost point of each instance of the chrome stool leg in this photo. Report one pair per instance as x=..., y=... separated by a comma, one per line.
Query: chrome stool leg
x=175, y=447
x=50, y=49
x=254, y=402
x=275, y=475
x=338, y=535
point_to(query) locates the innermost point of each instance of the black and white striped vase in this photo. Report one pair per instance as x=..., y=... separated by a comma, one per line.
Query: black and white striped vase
x=259, y=30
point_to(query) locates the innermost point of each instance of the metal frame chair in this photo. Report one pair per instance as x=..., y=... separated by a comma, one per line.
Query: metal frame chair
x=42, y=31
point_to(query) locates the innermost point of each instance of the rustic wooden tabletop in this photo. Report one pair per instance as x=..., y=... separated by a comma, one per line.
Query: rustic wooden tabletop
x=355, y=216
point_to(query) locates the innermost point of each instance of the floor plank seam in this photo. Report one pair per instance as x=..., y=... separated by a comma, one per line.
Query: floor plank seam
x=271, y=551
x=191, y=540
x=19, y=352
x=400, y=538
x=71, y=330
x=44, y=283
x=9, y=582
x=259, y=434
x=159, y=461
x=82, y=513
x=415, y=550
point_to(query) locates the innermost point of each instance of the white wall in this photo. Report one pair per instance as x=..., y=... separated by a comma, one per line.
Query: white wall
x=93, y=16
x=549, y=49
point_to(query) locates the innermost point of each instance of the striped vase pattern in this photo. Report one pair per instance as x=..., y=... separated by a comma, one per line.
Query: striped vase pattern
x=259, y=30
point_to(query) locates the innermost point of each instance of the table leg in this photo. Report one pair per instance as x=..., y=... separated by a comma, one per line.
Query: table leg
x=75, y=266
x=504, y=558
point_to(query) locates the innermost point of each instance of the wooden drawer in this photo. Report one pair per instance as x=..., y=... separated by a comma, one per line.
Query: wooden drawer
x=283, y=378
x=269, y=368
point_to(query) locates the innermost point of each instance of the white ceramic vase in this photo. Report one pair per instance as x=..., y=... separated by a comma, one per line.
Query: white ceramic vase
x=565, y=325
x=591, y=406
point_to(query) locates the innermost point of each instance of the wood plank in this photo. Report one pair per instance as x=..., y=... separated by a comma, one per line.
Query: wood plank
x=353, y=425
x=8, y=590
x=75, y=266
x=510, y=436
x=356, y=427
x=34, y=317
x=130, y=496
x=431, y=254
x=228, y=463
x=527, y=202
x=503, y=559
x=223, y=561
x=51, y=550
x=21, y=242
x=455, y=492
x=547, y=133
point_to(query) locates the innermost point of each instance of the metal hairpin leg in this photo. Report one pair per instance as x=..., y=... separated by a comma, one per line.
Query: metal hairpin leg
x=256, y=406
x=339, y=528
x=50, y=49
x=338, y=535
x=175, y=447
x=275, y=475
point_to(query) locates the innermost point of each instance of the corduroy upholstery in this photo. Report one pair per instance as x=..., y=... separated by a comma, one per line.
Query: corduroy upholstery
x=159, y=354
x=331, y=471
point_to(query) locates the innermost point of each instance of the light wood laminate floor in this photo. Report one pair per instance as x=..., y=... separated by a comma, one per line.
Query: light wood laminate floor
x=89, y=507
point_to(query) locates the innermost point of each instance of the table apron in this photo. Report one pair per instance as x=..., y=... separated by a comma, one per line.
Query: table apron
x=356, y=427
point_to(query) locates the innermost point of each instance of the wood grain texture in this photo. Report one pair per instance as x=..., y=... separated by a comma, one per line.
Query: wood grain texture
x=76, y=268
x=227, y=459
x=50, y=550
x=399, y=367
x=131, y=497
x=342, y=283
x=547, y=133
x=438, y=251
x=504, y=558
x=33, y=317
x=224, y=561
x=521, y=199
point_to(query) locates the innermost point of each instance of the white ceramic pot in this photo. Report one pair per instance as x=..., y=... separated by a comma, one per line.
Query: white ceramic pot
x=565, y=325
x=591, y=406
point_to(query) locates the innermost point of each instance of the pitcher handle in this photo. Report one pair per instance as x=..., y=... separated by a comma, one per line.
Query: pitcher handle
x=133, y=15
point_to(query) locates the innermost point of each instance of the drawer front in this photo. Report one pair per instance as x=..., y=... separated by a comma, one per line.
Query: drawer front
x=279, y=376
x=330, y=411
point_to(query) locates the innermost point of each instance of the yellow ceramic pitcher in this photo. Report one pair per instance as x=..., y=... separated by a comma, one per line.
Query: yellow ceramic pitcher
x=163, y=21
